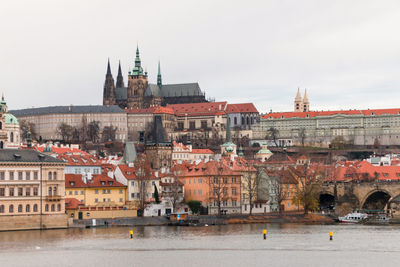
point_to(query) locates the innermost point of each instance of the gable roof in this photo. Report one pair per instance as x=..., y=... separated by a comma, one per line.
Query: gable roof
x=241, y=108
x=26, y=155
x=197, y=109
x=74, y=181
x=67, y=110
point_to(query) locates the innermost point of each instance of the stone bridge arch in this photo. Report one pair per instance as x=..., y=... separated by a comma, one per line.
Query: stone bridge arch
x=376, y=199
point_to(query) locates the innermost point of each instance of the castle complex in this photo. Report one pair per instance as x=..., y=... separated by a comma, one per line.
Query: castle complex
x=320, y=128
x=139, y=93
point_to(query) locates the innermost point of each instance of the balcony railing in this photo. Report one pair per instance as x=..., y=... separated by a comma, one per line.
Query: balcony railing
x=53, y=198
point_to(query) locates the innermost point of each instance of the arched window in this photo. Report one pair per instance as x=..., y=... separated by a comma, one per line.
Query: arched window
x=1, y=125
x=248, y=121
x=49, y=176
x=11, y=209
x=55, y=191
x=53, y=207
x=235, y=120
x=50, y=191
x=12, y=137
x=1, y=208
x=1, y=144
x=28, y=208
x=19, y=208
x=46, y=208
x=35, y=208
x=54, y=175
x=59, y=207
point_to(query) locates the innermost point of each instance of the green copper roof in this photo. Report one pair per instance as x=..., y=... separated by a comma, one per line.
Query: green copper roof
x=264, y=151
x=11, y=119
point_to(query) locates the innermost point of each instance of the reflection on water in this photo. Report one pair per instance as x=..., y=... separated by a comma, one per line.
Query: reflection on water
x=286, y=244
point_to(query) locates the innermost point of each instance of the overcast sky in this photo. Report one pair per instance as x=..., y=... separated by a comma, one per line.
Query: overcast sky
x=346, y=53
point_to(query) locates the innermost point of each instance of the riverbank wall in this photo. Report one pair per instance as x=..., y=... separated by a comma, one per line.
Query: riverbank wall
x=294, y=217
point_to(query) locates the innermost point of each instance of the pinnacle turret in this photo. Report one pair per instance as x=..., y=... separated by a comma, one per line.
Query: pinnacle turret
x=120, y=78
x=159, y=80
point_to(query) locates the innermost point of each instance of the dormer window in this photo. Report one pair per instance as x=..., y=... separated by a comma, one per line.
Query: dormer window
x=282, y=117
x=308, y=115
x=110, y=183
x=372, y=113
x=71, y=183
x=128, y=173
x=103, y=183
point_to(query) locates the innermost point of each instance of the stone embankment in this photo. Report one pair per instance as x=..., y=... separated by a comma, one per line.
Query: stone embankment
x=212, y=220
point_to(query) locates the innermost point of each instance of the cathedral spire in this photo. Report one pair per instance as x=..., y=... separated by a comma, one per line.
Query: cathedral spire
x=120, y=78
x=108, y=67
x=137, y=59
x=159, y=80
x=298, y=96
x=305, y=98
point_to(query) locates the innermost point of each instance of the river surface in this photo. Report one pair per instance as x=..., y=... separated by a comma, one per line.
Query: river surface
x=226, y=245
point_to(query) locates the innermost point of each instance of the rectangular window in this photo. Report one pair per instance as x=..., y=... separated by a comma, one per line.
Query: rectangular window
x=19, y=175
x=153, y=183
x=20, y=191
x=199, y=181
x=200, y=192
x=133, y=183
x=28, y=175
x=234, y=191
x=82, y=192
x=35, y=191
x=2, y=192
x=96, y=200
x=11, y=174
x=76, y=192
x=70, y=192
x=2, y=176
x=104, y=200
x=233, y=180
x=108, y=191
x=11, y=191
x=96, y=191
x=28, y=192
x=225, y=180
x=104, y=191
x=120, y=200
x=192, y=125
x=35, y=175
x=132, y=195
x=120, y=191
x=234, y=203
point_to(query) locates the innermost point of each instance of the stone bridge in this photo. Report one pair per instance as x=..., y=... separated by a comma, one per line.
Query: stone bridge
x=373, y=195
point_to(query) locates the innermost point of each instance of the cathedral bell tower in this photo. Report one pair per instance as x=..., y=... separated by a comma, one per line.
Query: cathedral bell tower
x=109, y=88
x=298, y=102
x=137, y=84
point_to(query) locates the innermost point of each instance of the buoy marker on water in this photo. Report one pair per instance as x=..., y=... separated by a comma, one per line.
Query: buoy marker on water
x=131, y=233
x=265, y=233
x=330, y=236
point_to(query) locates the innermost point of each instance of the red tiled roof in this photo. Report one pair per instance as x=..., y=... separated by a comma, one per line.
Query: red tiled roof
x=202, y=151
x=241, y=108
x=72, y=203
x=210, y=168
x=62, y=150
x=129, y=173
x=74, y=181
x=164, y=110
x=101, y=180
x=312, y=114
x=80, y=160
x=199, y=109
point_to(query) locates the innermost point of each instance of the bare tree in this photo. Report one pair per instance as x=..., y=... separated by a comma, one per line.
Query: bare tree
x=109, y=133
x=218, y=182
x=83, y=131
x=65, y=131
x=272, y=134
x=25, y=127
x=309, y=184
x=143, y=174
x=280, y=188
x=302, y=135
x=94, y=131
x=250, y=183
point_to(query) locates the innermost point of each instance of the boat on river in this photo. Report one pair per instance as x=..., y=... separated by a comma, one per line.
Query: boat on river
x=354, y=217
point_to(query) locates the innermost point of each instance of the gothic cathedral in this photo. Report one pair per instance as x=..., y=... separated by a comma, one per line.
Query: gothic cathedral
x=139, y=93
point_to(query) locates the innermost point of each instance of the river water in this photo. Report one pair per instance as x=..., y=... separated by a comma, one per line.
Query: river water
x=226, y=245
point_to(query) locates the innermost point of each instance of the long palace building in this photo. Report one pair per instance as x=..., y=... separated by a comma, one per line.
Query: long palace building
x=320, y=128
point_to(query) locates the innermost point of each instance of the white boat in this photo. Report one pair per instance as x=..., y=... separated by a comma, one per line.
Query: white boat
x=354, y=217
